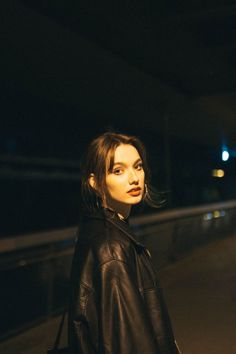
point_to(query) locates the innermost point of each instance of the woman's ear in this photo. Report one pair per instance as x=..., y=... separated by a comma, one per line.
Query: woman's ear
x=91, y=181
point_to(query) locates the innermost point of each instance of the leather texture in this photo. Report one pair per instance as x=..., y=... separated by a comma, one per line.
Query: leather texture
x=116, y=303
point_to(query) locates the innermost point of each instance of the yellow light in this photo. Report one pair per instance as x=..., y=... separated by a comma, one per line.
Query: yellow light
x=218, y=173
x=216, y=214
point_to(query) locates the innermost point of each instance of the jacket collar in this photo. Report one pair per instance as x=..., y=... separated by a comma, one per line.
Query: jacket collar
x=113, y=218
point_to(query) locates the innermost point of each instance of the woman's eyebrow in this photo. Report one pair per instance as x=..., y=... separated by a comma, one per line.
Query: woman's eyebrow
x=124, y=164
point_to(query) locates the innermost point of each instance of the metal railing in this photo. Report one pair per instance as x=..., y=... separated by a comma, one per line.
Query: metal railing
x=209, y=213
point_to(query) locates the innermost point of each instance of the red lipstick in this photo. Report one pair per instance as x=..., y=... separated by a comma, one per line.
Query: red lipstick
x=135, y=191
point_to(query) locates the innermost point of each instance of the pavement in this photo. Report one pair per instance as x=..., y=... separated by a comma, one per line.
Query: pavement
x=200, y=291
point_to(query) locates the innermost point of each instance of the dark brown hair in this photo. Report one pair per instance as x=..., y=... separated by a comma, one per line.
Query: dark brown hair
x=99, y=159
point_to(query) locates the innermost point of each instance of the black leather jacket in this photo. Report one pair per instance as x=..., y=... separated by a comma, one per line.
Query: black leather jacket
x=116, y=304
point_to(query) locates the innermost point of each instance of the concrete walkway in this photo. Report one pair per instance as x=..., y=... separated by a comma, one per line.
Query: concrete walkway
x=34, y=341
x=200, y=291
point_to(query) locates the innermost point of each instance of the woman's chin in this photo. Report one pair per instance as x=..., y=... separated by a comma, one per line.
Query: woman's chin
x=135, y=200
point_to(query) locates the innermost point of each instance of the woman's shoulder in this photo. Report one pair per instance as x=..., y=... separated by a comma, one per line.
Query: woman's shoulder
x=107, y=240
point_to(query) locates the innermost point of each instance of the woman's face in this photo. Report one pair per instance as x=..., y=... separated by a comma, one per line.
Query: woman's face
x=125, y=183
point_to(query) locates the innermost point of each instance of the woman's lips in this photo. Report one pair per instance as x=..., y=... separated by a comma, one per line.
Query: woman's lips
x=135, y=192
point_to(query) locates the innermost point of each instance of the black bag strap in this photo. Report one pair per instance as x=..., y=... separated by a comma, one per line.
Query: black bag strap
x=58, y=336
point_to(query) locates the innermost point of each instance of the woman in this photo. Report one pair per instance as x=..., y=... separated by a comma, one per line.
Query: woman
x=116, y=305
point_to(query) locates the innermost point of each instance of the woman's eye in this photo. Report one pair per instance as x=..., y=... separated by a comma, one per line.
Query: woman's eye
x=139, y=167
x=118, y=171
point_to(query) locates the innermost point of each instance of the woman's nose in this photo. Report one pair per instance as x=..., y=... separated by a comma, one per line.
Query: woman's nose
x=133, y=177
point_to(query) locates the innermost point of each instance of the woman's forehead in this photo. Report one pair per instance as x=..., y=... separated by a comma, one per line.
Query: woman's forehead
x=126, y=153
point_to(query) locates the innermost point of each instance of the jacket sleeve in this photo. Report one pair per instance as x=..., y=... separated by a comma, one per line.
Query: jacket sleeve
x=124, y=326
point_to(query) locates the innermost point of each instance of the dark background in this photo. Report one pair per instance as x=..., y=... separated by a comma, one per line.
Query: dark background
x=70, y=70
